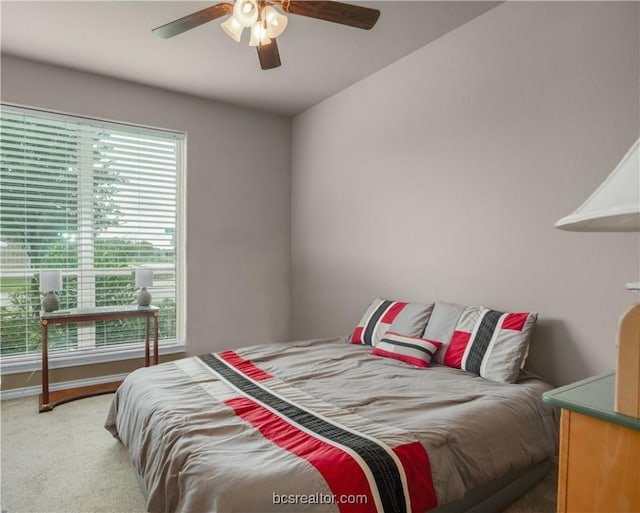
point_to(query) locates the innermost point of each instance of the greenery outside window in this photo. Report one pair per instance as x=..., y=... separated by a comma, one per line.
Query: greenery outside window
x=96, y=200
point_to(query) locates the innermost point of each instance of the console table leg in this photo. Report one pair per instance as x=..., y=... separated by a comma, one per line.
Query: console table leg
x=155, y=338
x=45, y=365
x=146, y=342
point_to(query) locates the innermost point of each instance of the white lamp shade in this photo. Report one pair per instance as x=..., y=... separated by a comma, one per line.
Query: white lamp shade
x=615, y=205
x=246, y=12
x=233, y=28
x=259, y=34
x=50, y=281
x=276, y=22
x=144, y=278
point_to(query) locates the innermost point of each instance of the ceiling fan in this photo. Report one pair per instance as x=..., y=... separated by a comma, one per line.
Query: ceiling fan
x=266, y=23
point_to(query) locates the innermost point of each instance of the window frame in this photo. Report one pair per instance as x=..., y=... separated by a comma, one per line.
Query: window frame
x=18, y=363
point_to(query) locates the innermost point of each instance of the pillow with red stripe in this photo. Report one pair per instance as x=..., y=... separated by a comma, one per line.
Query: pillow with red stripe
x=398, y=316
x=415, y=351
x=487, y=342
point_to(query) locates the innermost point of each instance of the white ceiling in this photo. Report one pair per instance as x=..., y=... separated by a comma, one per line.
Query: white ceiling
x=318, y=58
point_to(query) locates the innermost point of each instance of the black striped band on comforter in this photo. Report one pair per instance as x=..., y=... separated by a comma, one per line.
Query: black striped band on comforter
x=382, y=462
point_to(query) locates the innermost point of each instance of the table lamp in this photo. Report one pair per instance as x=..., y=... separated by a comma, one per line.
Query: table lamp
x=615, y=207
x=50, y=282
x=144, y=279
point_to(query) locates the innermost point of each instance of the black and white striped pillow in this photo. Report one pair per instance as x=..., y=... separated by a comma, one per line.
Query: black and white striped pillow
x=477, y=339
x=412, y=350
x=385, y=315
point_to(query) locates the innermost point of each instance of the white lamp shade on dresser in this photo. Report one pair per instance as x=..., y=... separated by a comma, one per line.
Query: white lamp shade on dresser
x=615, y=205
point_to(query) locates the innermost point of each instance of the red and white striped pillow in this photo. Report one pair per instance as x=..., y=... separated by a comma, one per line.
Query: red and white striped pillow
x=398, y=316
x=415, y=351
x=477, y=339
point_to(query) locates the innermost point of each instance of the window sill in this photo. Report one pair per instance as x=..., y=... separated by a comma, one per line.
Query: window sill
x=33, y=362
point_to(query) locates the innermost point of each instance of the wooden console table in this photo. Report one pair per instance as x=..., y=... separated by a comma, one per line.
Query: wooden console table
x=49, y=400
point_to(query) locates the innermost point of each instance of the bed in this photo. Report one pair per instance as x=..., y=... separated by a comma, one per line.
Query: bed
x=325, y=426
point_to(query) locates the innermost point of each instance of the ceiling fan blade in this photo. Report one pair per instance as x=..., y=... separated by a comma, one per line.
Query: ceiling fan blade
x=269, y=55
x=336, y=12
x=193, y=20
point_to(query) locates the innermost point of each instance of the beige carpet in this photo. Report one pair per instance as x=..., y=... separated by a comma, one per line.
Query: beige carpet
x=65, y=461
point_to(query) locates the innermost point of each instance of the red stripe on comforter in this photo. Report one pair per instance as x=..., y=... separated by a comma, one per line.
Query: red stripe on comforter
x=244, y=366
x=343, y=474
x=417, y=468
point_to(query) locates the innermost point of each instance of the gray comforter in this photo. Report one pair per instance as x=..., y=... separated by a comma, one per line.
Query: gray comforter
x=196, y=449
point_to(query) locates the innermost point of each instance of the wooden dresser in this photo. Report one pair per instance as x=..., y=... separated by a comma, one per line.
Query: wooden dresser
x=599, y=449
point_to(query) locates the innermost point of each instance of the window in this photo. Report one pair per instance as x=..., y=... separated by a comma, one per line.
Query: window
x=96, y=200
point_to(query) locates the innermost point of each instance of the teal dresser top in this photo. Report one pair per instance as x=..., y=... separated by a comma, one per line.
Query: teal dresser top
x=592, y=396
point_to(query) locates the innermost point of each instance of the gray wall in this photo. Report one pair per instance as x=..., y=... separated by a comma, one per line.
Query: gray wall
x=441, y=176
x=238, y=198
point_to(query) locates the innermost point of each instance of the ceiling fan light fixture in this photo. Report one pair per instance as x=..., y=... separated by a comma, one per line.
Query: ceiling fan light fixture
x=266, y=22
x=259, y=34
x=233, y=28
x=246, y=12
x=276, y=22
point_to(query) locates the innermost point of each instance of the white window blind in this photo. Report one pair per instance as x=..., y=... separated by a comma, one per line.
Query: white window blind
x=96, y=200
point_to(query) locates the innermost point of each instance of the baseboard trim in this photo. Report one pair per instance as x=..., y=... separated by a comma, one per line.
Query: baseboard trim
x=16, y=393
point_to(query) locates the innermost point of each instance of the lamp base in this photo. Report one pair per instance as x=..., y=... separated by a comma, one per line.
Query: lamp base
x=50, y=302
x=144, y=297
x=627, y=399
